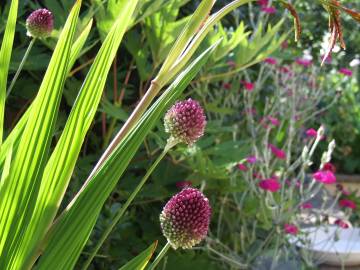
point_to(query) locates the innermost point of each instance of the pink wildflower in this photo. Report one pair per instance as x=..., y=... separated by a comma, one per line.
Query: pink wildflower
x=341, y=224
x=280, y=154
x=325, y=176
x=307, y=205
x=303, y=62
x=273, y=120
x=346, y=72
x=249, y=86
x=242, y=167
x=285, y=70
x=329, y=166
x=268, y=10
x=251, y=159
x=347, y=203
x=263, y=2
x=270, y=184
x=291, y=229
x=311, y=132
x=270, y=61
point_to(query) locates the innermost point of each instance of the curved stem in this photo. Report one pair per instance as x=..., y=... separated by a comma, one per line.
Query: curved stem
x=159, y=256
x=122, y=210
x=20, y=66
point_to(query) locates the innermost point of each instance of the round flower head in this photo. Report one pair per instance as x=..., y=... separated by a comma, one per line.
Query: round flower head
x=185, y=218
x=40, y=23
x=185, y=121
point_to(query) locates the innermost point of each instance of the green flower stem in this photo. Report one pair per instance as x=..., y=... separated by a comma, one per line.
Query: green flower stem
x=122, y=210
x=159, y=256
x=20, y=66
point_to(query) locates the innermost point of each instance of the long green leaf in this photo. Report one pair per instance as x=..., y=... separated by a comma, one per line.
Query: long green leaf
x=5, y=55
x=20, y=188
x=141, y=260
x=14, y=137
x=60, y=166
x=69, y=234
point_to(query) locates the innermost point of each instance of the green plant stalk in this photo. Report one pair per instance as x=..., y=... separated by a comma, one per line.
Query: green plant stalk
x=167, y=73
x=122, y=210
x=23, y=60
x=159, y=256
x=5, y=55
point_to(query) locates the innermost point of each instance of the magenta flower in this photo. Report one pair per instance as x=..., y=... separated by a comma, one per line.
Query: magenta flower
x=40, y=23
x=311, y=132
x=251, y=159
x=270, y=184
x=263, y=2
x=280, y=154
x=249, y=86
x=185, y=218
x=242, y=167
x=185, y=121
x=274, y=121
x=285, y=70
x=346, y=203
x=303, y=62
x=325, y=176
x=270, y=61
x=268, y=10
x=329, y=166
x=291, y=229
x=307, y=205
x=183, y=184
x=346, y=72
x=342, y=224
x=227, y=86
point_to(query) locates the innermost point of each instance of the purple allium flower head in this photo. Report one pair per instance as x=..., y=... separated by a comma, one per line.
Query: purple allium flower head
x=40, y=23
x=185, y=218
x=185, y=121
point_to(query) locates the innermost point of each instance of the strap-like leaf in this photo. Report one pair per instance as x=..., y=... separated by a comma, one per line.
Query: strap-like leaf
x=60, y=166
x=20, y=188
x=141, y=260
x=5, y=55
x=14, y=137
x=72, y=229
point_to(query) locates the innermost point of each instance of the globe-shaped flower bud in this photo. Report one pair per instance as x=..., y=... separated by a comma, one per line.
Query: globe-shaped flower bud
x=40, y=23
x=185, y=121
x=185, y=218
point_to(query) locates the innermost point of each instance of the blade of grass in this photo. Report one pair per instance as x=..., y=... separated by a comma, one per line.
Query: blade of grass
x=74, y=226
x=5, y=55
x=141, y=260
x=60, y=166
x=20, y=188
x=14, y=137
